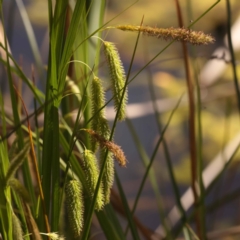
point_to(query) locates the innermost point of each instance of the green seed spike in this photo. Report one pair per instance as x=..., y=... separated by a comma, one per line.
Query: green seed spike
x=108, y=175
x=92, y=172
x=75, y=206
x=117, y=78
x=99, y=122
x=20, y=189
x=17, y=229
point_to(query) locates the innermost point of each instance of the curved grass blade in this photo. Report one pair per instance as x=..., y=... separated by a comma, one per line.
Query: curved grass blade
x=131, y=223
x=153, y=156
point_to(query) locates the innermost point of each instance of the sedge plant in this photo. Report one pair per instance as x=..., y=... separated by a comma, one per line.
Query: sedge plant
x=67, y=166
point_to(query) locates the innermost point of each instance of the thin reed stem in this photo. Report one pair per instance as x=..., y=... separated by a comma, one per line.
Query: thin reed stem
x=230, y=45
x=191, y=121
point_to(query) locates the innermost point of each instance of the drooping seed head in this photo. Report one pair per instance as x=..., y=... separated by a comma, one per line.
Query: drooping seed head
x=108, y=174
x=91, y=170
x=75, y=206
x=17, y=186
x=99, y=122
x=17, y=229
x=118, y=78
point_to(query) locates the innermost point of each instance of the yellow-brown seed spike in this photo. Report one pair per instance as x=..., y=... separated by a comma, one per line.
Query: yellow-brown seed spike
x=178, y=34
x=117, y=78
x=75, y=206
x=118, y=153
x=91, y=169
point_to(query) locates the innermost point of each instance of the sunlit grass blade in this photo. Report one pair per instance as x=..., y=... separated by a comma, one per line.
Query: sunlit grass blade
x=79, y=11
x=81, y=72
x=96, y=21
x=50, y=156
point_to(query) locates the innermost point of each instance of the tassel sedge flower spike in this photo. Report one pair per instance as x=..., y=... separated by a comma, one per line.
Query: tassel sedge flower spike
x=91, y=169
x=178, y=34
x=75, y=206
x=17, y=186
x=114, y=150
x=100, y=125
x=108, y=175
x=118, y=78
x=99, y=122
x=17, y=229
x=98, y=100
